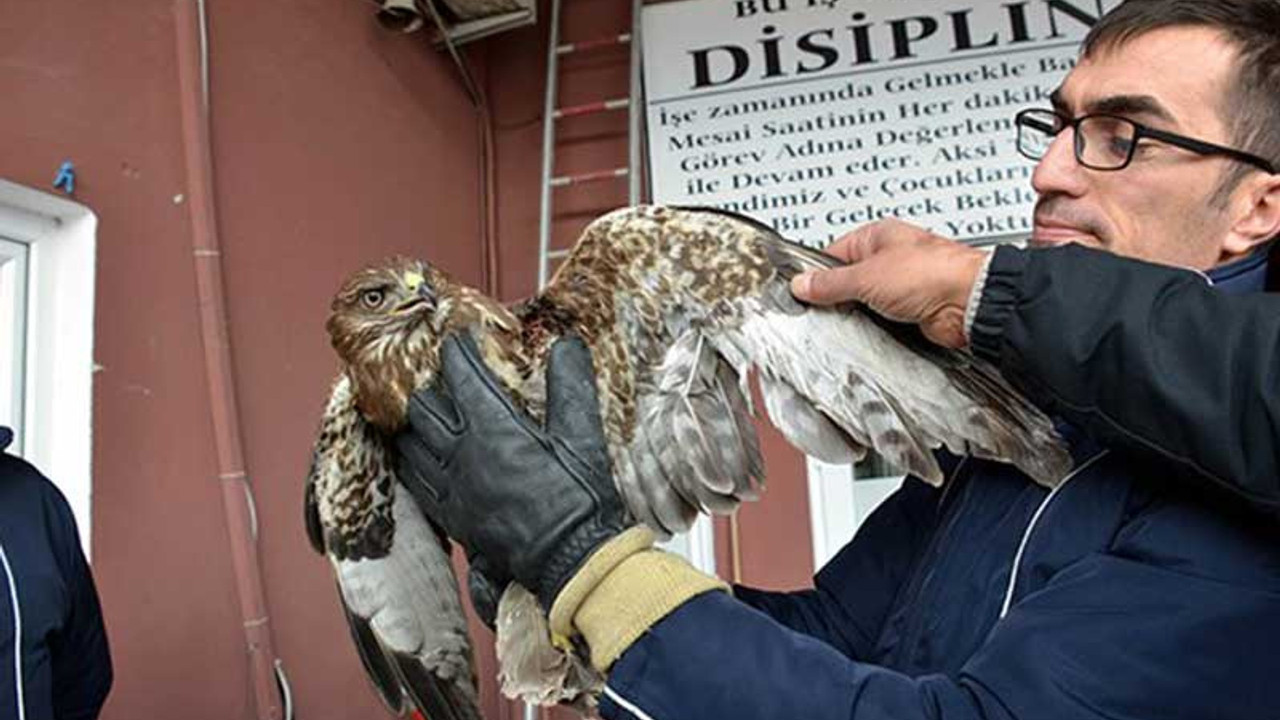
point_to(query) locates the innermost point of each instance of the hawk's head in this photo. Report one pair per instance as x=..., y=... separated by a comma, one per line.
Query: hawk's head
x=386, y=325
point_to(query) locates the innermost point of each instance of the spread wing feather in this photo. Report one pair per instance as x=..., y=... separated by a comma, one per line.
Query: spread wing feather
x=409, y=600
x=804, y=425
x=836, y=381
x=694, y=448
x=380, y=672
x=395, y=579
x=978, y=412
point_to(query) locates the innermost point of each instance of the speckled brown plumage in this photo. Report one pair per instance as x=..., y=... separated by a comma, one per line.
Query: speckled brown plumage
x=679, y=307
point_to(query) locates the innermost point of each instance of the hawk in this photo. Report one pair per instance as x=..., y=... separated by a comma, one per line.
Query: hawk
x=681, y=307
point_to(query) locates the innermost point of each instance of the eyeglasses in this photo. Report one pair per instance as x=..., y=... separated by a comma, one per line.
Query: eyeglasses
x=1108, y=142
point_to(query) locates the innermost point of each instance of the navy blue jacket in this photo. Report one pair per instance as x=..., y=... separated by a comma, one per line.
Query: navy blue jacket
x=1176, y=371
x=65, y=665
x=1121, y=595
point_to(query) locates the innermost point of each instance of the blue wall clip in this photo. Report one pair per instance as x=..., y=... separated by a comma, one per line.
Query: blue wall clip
x=66, y=179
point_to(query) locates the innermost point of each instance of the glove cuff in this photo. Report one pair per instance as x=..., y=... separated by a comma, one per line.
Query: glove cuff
x=623, y=603
x=601, y=562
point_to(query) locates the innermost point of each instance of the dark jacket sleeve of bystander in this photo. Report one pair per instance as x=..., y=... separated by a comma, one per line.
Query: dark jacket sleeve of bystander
x=1145, y=358
x=82, y=672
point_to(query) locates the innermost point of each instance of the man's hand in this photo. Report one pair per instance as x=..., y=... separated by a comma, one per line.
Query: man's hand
x=528, y=503
x=902, y=272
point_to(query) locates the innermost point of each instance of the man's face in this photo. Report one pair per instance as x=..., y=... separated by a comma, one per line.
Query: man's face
x=1160, y=208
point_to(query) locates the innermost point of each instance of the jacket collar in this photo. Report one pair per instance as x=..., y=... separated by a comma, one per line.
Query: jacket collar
x=1243, y=276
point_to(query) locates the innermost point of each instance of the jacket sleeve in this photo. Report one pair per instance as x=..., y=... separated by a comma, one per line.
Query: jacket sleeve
x=80, y=658
x=1108, y=636
x=853, y=593
x=715, y=657
x=1145, y=358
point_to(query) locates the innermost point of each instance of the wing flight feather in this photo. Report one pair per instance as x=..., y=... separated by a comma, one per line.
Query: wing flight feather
x=836, y=381
x=395, y=579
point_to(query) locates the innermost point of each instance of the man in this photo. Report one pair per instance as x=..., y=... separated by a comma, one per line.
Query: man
x=1120, y=594
x=54, y=662
x=1116, y=347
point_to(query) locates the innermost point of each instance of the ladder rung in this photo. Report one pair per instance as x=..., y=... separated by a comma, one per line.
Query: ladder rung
x=592, y=107
x=598, y=175
x=557, y=254
x=609, y=41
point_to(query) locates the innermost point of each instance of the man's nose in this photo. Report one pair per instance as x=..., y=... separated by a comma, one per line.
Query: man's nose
x=1058, y=172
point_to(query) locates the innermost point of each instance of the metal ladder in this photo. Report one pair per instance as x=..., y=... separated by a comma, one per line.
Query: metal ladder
x=552, y=114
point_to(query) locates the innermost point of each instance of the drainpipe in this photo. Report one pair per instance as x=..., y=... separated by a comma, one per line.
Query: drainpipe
x=236, y=493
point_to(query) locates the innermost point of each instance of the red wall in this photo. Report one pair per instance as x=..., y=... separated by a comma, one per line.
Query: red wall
x=335, y=143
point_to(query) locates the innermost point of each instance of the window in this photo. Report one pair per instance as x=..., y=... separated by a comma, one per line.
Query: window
x=841, y=497
x=47, y=247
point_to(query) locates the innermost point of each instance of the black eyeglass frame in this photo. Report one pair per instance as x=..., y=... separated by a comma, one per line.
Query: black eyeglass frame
x=1030, y=116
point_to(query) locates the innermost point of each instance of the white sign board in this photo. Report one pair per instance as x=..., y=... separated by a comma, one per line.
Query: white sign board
x=820, y=115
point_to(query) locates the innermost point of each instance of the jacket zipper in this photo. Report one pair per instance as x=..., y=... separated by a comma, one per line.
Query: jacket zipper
x=17, y=633
x=921, y=581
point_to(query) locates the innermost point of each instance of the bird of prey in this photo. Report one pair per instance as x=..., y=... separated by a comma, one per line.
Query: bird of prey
x=680, y=308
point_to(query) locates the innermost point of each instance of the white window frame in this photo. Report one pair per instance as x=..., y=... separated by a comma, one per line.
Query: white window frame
x=13, y=333
x=57, y=416
x=839, y=502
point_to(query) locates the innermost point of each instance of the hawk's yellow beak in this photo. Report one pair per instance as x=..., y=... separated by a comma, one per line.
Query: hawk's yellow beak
x=413, y=281
x=420, y=292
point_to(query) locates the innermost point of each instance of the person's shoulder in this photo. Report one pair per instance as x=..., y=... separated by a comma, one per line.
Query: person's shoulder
x=19, y=478
x=12, y=467
x=1200, y=532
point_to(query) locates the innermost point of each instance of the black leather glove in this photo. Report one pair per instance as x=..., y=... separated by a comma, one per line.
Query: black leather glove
x=484, y=590
x=532, y=503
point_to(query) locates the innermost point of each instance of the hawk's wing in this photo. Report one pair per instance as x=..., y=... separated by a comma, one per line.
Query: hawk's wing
x=700, y=299
x=395, y=580
x=695, y=447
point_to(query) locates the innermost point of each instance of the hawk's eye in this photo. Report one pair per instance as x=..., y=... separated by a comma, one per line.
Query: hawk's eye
x=372, y=299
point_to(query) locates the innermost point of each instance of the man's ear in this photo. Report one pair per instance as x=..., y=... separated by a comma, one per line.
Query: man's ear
x=1255, y=207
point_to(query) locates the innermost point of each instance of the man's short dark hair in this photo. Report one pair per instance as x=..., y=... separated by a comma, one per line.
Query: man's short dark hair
x=1253, y=101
